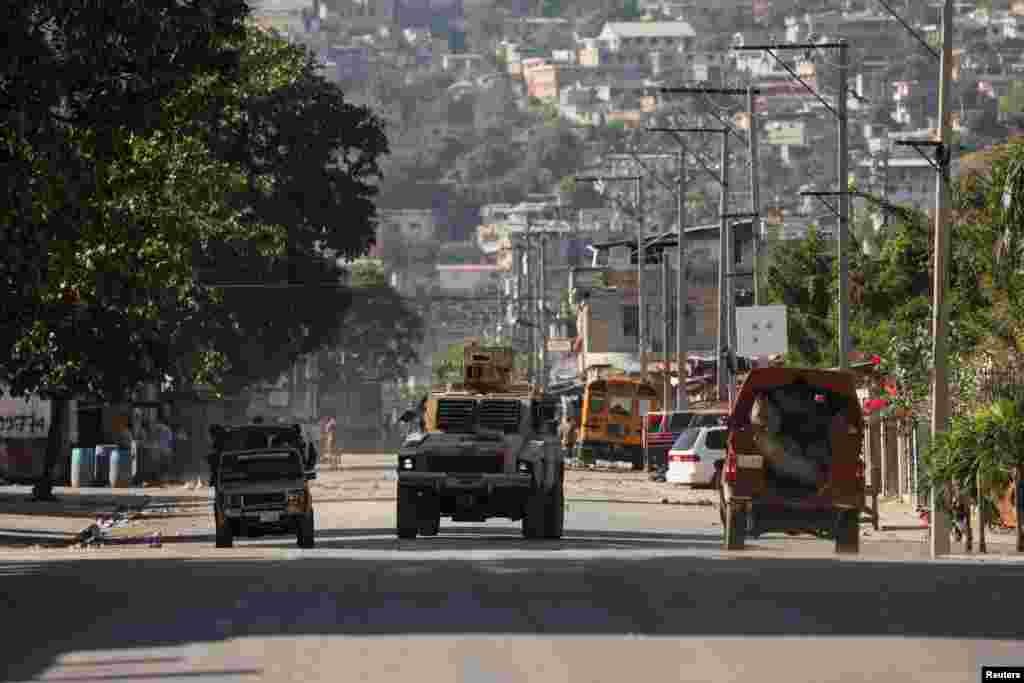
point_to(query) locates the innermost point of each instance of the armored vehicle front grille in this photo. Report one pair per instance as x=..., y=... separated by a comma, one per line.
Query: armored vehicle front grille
x=500, y=415
x=464, y=464
x=455, y=414
x=256, y=499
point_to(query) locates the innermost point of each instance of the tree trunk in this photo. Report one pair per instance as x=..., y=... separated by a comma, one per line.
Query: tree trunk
x=982, y=547
x=1019, y=501
x=43, y=490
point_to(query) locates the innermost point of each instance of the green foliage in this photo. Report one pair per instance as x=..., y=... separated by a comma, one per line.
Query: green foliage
x=800, y=277
x=1013, y=102
x=379, y=339
x=985, y=447
x=630, y=11
x=214, y=165
x=368, y=273
x=551, y=8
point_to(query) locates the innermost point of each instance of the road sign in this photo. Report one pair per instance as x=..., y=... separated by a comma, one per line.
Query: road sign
x=761, y=331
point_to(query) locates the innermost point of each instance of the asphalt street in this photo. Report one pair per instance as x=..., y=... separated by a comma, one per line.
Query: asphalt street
x=638, y=591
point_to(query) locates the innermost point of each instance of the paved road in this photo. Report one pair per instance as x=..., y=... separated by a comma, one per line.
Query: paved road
x=633, y=590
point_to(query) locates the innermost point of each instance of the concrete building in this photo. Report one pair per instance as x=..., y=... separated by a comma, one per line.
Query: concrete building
x=632, y=37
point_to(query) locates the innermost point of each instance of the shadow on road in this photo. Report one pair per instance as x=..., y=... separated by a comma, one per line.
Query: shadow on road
x=155, y=603
x=623, y=501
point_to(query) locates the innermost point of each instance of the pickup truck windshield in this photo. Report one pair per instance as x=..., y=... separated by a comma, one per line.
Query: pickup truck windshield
x=261, y=466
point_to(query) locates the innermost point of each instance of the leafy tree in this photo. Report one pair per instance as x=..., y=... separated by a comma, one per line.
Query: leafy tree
x=122, y=235
x=90, y=180
x=800, y=277
x=380, y=335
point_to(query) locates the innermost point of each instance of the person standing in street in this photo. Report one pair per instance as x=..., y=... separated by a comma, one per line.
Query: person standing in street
x=567, y=435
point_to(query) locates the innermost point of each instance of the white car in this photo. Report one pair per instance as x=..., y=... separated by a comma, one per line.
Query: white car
x=692, y=458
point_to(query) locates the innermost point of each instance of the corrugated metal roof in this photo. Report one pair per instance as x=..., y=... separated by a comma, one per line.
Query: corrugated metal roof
x=651, y=29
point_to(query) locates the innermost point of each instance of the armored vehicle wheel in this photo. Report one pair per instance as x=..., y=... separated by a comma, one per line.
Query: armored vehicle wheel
x=555, y=519
x=225, y=533
x=537, y=513
x=307, y=531
x=735, y=526
x=847, y=532
x=406, y=521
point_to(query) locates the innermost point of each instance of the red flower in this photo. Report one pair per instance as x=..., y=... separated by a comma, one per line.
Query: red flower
x=876, y=360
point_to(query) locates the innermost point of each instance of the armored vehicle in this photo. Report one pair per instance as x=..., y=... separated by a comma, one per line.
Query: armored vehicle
x=489, y=448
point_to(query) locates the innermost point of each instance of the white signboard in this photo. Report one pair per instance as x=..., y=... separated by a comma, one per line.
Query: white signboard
x=23, y=418
x=785, y=133
x=761, y=331
x=560, y=344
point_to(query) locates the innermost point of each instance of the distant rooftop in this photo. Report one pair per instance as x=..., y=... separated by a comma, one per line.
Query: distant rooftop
x=651, y=29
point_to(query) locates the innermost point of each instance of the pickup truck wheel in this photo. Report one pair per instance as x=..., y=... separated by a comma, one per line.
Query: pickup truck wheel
x=735, y=526
x=430, y=527
x=406, y=521
x=306, y=533
x=847, y=532
x=428, y=514
x=225, y=534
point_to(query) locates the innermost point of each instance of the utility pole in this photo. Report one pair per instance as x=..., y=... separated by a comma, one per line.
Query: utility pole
x=940, y=311
x=844, y=212
x=528, y=267
x=726, y=300
x=724, y=263
x=638, y=199
x=682, y=294
x=543, y=312
x=665, y=364
x=755, y=191
x=641, y=262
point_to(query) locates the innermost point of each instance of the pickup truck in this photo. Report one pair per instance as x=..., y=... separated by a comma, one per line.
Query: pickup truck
x=263, y=491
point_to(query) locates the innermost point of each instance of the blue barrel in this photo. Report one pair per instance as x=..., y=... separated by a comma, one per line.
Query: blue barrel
x=83, y=466
x=102, y=473
x=120, y=467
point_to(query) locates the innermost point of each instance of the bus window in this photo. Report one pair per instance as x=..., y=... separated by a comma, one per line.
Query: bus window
x=645, y=406
x=621, y=405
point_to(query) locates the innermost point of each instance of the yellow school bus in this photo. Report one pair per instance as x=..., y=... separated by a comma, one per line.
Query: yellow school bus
x=611, y=419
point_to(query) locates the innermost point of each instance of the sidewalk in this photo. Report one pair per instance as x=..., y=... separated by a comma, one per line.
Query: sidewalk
x=79, y=513
x=901, y=522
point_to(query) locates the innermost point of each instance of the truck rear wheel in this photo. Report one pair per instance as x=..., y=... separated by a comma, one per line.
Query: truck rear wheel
x=225, y=533
x=847, y=532
x=428, y=513
x=735, y=526
x=407, y=522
